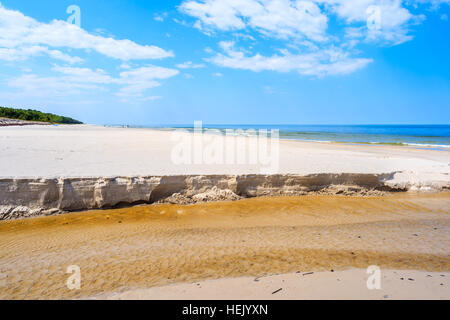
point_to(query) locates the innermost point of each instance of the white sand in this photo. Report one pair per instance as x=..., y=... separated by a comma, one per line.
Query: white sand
x=79, y=151
x=340, y=285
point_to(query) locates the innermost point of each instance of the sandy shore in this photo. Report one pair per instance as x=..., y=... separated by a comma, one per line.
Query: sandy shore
x=336, y=285
x=155, y=246
x=217, y=250
x=80, y=151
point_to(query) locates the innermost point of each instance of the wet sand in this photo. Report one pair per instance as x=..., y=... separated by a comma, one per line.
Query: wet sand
x=152, y=246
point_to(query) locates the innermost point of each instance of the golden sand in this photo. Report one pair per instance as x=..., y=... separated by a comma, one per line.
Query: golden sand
x=148, y=246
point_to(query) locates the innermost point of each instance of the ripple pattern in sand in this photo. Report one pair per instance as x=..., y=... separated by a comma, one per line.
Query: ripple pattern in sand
x=149, y=246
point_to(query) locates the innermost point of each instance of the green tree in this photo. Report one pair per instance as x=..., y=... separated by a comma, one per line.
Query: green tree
x=33, y=115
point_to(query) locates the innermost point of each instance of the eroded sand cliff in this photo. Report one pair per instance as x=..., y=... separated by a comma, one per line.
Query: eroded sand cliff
x=21, y=198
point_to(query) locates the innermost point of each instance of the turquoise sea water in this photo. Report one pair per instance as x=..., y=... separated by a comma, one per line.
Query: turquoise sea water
x=437, y=136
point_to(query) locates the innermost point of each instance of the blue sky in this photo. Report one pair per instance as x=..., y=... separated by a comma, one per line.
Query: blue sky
x=229, y=62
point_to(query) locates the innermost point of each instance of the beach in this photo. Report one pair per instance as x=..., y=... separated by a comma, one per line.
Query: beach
x=340, y=285
x=204, y=150
x=95, y=151
x=112, y=202
x=121, y=252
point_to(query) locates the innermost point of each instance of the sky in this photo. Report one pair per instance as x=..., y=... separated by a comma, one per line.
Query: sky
x=140, y=62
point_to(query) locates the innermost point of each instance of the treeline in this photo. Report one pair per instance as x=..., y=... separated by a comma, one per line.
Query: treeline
x=33, y=115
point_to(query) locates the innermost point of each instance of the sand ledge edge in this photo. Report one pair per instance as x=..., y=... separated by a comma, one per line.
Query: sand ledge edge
x=31, y=197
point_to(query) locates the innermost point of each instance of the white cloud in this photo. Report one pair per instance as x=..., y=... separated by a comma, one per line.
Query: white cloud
x=85, y=75
x=281, y=19
x=217, y=74
x=19, y=32
x=190, y=65
x=302, y=26
x=137, y=81
x=333, y=61
x=23, y=53
x=288, y=19
x=125, y=66
x=434, y=4
x=390, y=18
x=131, y=84
x=33, y=85
x=22, y=37
x=160, y=17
